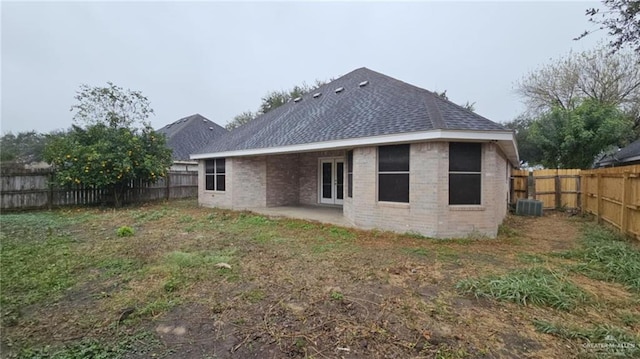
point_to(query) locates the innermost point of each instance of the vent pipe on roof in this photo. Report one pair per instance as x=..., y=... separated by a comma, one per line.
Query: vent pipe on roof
x=339, y=89
x=210, y=128
x=363, y=83
x=297, y=99
x=317, y=94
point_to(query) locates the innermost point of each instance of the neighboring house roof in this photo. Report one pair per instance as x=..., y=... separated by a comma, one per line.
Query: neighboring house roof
x=626, y=155
x=359, y=108
x=190, y=134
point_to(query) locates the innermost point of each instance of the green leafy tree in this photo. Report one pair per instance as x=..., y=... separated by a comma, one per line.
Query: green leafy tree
x=572, y=138
x=240, y=120
x=621, y=18
x=528, y=151
x=24, y=147
x=111, y=143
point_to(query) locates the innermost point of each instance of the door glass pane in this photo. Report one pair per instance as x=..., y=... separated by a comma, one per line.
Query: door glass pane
x=339, y=180
x=326, y=180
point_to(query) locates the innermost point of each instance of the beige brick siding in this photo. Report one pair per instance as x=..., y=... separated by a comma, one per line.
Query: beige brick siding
x=292, y=179
x=428, y=212
x=246, y=184
x=283, y=180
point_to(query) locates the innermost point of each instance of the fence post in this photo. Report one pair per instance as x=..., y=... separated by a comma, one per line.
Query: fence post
x=168, y=180
x=533, y=184
x=558, y=188
x=50, y=194
x=580, y=192
x=624, y=215
x=599, y=198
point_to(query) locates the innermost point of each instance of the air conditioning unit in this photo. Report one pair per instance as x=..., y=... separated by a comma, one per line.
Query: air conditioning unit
x=529, y=207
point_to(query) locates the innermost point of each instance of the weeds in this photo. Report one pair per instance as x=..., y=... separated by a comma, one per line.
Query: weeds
x=538, y=286
x=95, y=349
x=125, y=231
x=604, y=339
x=605, y=255
x=336, y=295
x=416, y=251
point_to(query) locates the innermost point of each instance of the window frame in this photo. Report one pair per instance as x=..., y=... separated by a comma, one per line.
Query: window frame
x=350, y=174
x=215, y=174
x=406, y=173
x=466, y=173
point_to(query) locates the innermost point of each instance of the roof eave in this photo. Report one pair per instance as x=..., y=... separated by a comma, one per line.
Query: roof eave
x=505, y=140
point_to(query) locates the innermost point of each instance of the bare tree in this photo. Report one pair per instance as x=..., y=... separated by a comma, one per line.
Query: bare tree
x=611, y=79
x=622, y=20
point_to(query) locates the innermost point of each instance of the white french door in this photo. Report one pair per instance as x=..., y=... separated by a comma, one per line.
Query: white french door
x=331, y=181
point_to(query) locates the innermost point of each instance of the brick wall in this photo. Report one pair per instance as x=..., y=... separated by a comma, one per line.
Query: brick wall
x=428, y=212
x=246, y=184
x=282, y=180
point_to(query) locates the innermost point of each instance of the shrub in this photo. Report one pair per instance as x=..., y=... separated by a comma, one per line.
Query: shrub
x=125, y=231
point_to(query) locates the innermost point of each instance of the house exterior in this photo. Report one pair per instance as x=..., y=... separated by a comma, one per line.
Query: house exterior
x=390, y=155
x=188, y=135
x=629, y=155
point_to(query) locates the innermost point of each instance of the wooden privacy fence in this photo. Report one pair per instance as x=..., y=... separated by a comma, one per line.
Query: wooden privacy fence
x=611, y=194
x=35, y=189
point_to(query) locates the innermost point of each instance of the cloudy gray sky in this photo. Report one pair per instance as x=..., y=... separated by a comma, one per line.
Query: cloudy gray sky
x=219, y=58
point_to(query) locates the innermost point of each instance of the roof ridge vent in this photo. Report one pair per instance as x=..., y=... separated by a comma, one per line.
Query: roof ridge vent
x=339, y=89
x=297, y=99
x=363, y=83
x=317, y=94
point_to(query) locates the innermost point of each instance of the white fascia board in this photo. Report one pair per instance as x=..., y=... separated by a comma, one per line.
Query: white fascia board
x=505, y=139
x=630, y=159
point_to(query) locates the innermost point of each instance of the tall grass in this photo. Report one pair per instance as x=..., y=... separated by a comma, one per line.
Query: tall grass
x=537, y=286
x=605, y=255
x=607, y=340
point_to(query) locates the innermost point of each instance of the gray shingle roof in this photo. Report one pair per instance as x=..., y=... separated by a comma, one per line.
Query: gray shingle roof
x=383, y=106
x=190, y=134
x=632, y=150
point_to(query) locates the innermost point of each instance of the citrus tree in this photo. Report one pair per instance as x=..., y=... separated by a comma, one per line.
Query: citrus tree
x=110, y=144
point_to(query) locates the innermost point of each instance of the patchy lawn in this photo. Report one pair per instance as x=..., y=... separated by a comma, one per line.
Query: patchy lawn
x=175, y=280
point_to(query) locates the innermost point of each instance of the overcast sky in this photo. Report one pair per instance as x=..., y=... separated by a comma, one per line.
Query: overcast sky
x=219, y=58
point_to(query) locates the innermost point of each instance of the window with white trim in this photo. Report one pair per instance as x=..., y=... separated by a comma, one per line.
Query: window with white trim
x=465, y=173
x=214, y=174
x=393, y=173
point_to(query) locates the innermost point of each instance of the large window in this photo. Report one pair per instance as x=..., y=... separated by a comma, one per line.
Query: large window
x=214, y=174
x=465, y=177
x=350, y=174
x=393, y=173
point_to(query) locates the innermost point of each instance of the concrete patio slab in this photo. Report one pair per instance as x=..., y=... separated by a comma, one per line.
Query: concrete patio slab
x=323, y=214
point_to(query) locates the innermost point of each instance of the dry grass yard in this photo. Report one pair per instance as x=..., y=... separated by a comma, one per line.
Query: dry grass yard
x=188, y=282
